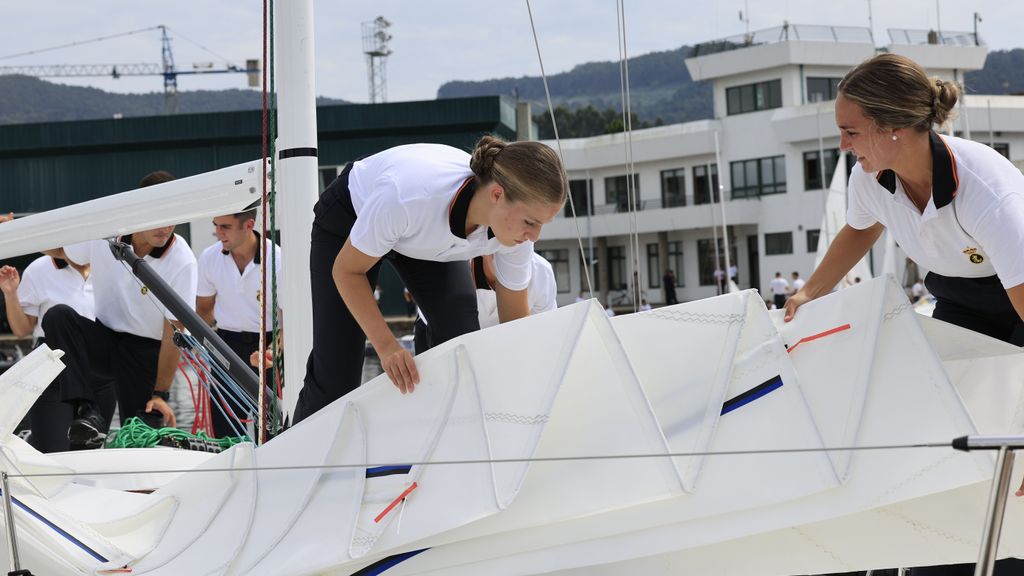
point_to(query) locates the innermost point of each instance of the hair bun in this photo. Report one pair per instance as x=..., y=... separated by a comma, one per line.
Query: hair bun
x=945, y=96
x=482, y=162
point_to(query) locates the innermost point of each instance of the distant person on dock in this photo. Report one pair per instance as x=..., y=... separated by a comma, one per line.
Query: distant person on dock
x=428, y=209
x=229, y=294
x=955, y=206
x=780, y=289
x=131, y=338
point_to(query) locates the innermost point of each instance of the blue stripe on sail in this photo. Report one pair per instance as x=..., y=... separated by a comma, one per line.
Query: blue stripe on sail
x=751, y=395
x=380, y=566
x=387, y=471
x=58, y=529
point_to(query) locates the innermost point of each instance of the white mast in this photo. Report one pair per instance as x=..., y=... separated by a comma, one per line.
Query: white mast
x=296, y=166
x=725, y=228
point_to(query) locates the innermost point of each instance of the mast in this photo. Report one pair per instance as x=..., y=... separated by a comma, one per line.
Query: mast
x=296, y=166
x=721, y=204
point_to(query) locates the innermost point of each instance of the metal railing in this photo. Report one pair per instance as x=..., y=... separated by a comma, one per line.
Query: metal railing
x=906, y=37
x=785, y=33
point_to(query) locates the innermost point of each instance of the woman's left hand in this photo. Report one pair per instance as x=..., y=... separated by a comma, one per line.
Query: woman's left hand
x=400, y=366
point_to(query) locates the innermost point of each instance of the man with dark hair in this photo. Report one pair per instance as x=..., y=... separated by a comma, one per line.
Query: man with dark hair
x=131, y=339
x=229, y=297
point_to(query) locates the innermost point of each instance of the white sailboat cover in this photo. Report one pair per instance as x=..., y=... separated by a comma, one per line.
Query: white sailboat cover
x=833, y=221
x=509, y=457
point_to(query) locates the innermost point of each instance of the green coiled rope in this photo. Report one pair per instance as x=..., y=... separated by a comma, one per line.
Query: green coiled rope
x=135, y=433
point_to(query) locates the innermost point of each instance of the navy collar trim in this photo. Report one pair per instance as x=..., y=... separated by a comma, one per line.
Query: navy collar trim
x=945, y=181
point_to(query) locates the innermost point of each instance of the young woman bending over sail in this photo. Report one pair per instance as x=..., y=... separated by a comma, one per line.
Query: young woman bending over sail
x=428, y=209
x=955, y=206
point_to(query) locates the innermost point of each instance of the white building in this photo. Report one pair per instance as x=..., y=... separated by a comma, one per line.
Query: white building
x=773, y=110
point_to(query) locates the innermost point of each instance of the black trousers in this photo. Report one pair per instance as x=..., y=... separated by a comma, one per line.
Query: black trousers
x=243, y=344
x=444, y=292
x=49, y=418
x=94, y=353
x=978, y=304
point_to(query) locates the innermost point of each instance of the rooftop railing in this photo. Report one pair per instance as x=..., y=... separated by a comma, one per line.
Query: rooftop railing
x=785, y=33
x=904, y=37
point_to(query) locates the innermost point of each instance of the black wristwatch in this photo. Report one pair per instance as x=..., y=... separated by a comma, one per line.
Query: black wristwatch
x=162, y=394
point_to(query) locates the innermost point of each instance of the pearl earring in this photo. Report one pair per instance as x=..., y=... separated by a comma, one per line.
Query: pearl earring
x=894, y=137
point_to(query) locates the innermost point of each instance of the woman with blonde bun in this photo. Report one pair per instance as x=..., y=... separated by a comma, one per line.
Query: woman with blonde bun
x=428, y=209
x=955, y=206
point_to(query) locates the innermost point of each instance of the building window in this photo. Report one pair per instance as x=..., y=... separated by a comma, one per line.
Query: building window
x=706, y=265
x=653, y=267
x=704, y=186
x=675, y=260
x=673, y=188
x=595, y=277
x=1003, y=148
x=753, y=97
x=559, y=259
x=812, y=168
x=822, y=89
x=327, y=175
x=758, y=177
x=581, y=192
x=812, y=241
x=616, y=268
x=778, y=243
x=616, y=192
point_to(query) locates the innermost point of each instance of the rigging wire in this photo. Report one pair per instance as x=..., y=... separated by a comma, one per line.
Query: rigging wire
x=531, y=460
x=632, y=193
x=80, y=42
x=561, y=157
x=198, y=45
x=262, y=345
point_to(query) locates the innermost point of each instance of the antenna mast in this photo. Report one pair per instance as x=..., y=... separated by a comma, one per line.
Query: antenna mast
x=375, y=46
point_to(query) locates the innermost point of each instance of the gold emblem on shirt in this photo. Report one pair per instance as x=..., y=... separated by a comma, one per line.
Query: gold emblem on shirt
x=144, y=290
x=973, y=256
x=259, y=295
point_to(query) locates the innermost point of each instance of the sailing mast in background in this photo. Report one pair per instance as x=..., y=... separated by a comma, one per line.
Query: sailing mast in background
x=833, y=221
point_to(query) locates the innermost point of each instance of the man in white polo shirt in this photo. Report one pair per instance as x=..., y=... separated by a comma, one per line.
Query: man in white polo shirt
x=131, y=337
x=229, y=293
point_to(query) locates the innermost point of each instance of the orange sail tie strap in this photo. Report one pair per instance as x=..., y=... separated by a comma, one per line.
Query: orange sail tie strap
x=395, y=502
x=816, y=336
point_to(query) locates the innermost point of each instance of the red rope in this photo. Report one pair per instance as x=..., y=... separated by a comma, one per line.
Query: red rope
x=395, y=502
x=819, y=335
x=263, y=247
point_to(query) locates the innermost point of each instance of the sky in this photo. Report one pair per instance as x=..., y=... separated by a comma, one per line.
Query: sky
x=441, y=40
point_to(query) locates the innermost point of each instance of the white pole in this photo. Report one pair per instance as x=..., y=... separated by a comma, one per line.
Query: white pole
x=721, y=203
x=714, y=228
x=296, y=166
x=991, y=134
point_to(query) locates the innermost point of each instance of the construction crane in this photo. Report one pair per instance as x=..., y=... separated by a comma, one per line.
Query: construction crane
x=166, y=68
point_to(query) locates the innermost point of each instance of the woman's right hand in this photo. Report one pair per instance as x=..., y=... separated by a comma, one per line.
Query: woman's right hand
x=793, y=302
x=400, y=366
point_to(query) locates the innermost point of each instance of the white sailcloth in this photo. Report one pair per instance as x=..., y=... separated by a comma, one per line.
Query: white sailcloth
x=833, y=221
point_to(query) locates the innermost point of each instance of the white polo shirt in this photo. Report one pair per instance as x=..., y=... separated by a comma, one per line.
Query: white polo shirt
x=973, y=225
x=414, y=199
x=47, y=282
x=122, y=302
x=779, y=286
x=542, y=293
x=237, y=307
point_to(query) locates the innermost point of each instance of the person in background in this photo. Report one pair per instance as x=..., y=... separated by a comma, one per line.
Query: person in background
x=131, y=339
x=48, y=281
x=6, y=217
x=917, y=291
x=542, y=294
x=780, y=289
x=668, y=280
x=798, y=282
x=229, y=294
x=955, y=206
x=429, y=209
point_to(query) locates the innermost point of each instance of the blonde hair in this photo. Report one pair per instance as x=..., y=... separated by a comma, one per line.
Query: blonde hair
x=895, y=92
x=528, y=171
